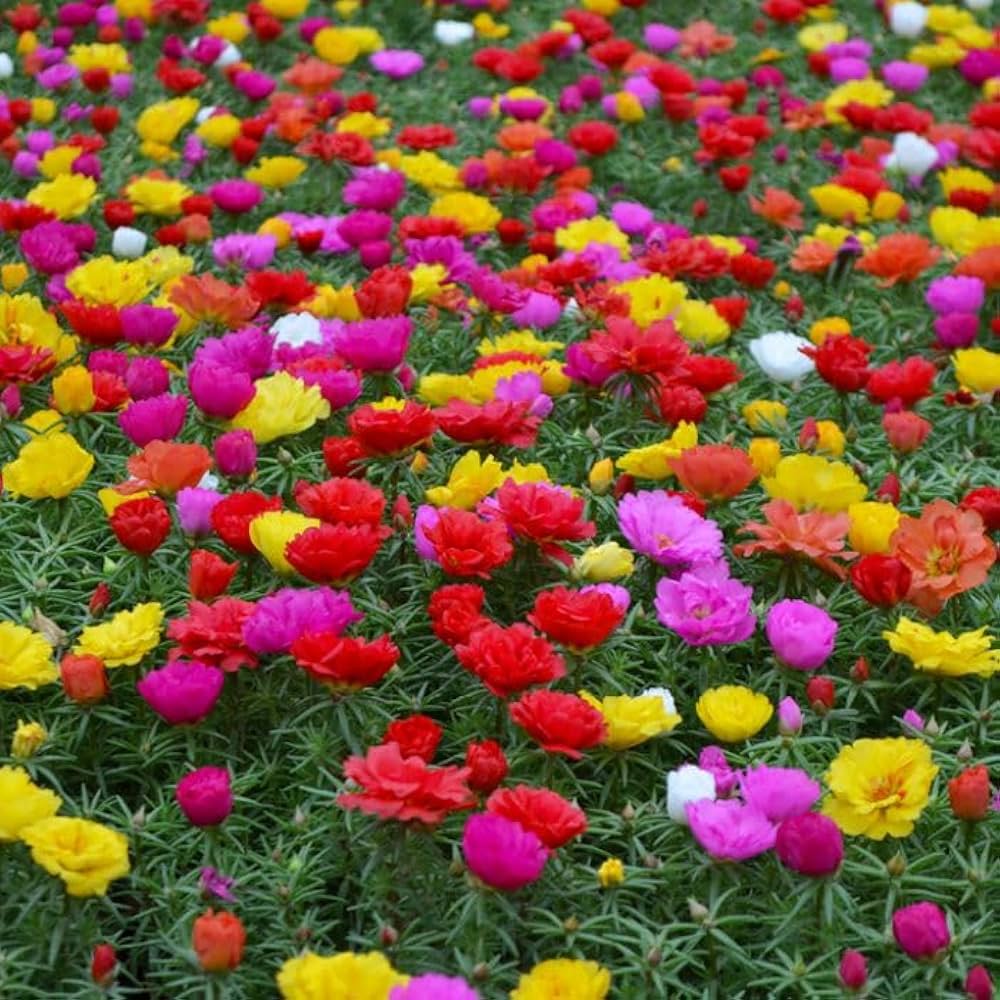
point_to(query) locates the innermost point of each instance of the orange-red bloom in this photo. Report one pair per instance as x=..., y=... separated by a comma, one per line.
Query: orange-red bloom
x=899, y=257
x=779, y=207
x=218, y=940
x=714, y=471
x=166, y=467
x=342, y=662
x=209, y=300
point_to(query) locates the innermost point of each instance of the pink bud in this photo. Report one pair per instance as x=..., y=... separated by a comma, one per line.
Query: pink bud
x=978, y=983
x=853, y=971
x=789, y=717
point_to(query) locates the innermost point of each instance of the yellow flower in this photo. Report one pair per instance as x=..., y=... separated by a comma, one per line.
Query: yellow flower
x=97, y=55
x=475, y=213
x=157, y=195
x=945, y=53
x=28, y=739
x=472, y=478
x=22, y=803
x=977, y=369
x=869, y=92
x=282, y=405
x=887, y=206
x=364, y=123
x=701, y=322
x=944, y=654
x=653, y=461
x=828, y=326
x=486, y=27
x=601, y=476
x=878, y=788
x=430, y=171
x=276, y=172
x=765, y=453
x=367, y=39
x=59, y=160
x=954, y=228
x=286, y=10
x=578, y=235
x=220, y=131
x=946, y=19
x=840, y=203
x=603, y=563
x=111, y=499
x=631, y=721
x=67, y=196
x=43, y=110
x=835, y=236
x=338, y=303
x=533, y=472
x=161, y=123
x=43, y=422
x=563, y=977
x=25, y=320
x=85, y=855
x=651, y=298
x=51, y=466
x=872, y=525
x=25, y=658
x=428, y=281
x=964, y=179
x=765, y=414
x=830, y=438
x=606, y=8
x=816, y=37
x=523, y=341
x=106, y=281
x=986, y=233
x=163, y=264
x=233, y=27
x=811, y=482
x=732, y=713
x=270, y=534
x=628, y=107
x=12, y=276
x=142, y=9
x=73, y=391
x=344, y=976
x=611, y=873
x=126, y=638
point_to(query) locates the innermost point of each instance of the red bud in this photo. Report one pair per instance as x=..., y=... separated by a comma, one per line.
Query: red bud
x=99, y=600
x=102, y=965
x=821, y=694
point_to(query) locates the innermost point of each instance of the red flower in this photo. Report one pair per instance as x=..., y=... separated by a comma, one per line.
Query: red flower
x=426, y=136
x=103, y=962
x=595, y=138
x=98, y=325
x=343, y=455
x=232, y=515
x=842, y=361
x=708, y=373
x=100, y=598
x=209, y=575
x=985, y=501
x=166, y=466
x=579, y=619
x=677, y=401
x=25, y=364
x=545, y=813
x=544, y=514
x=341, y=500
x=84, y=678
x=735, y=179
x=142, y=525
x=487, y=765
x=499, y=422
x=405, y=788
x=508, y=660
x=416, y=736
x=341, y=662
x=455, y=611
x=391, y=431
x=560, y=722
x=280, y=288
x=385, y=292
x=903, y=383
x=714, y=471
x=347, y=146
x=751, y=271
x=881, y=580
x=218, y=940
x=969, y=793
x=466, y=545
x=821, y=694
x=335, y=553
x=905, y=430
x=624, y=347
x=213, y=634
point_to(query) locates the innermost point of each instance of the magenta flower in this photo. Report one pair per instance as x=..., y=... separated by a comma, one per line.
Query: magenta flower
x=194, y=510
x=501, y=852
x=374, y=189
x=160, y=417
x=956, y=293
x=580, y=367
x=145, y=377
x=913, y=720
x=182, y=693
x=661, y=527
x=525, y=387
x=706, y=607
x=801, y=634
x=253, y=84
x=374, y=345
x=660, y=38
x=219, y=391
x=280, y=618
x=432, y=986
x=358, y=228
x=236, y=196
x=906, y=77
x=49, y=248
x=778, y=792
x=248, y=251
x=810, y=844
x=728, y=830
x=235, y=454
x=956, y=330
x=147, y=326
x=713, y=760
x=205, y=796
x=338, y=386
x=397, y=64
x=214, y=883
x=248, y=350
x=539, y=311
x=789, y=717
x=921, y=930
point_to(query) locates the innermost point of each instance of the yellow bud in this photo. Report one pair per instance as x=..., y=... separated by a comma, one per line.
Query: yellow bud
x=762, y=414
x=419, y=462
x=12, y=276
x=781, y=290
x=43, y=110
x=277, y=228
x=73, y=391
x=765, y=453
x=28, y=739
x=611, y=873
x=673, y=164
x=829, y=438
x=27, y=42
x=602, y=475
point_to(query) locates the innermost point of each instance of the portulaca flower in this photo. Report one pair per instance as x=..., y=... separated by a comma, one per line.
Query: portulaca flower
x=780, y=357
x=907, y=19
x=296, y=330
x=128, y=242
x=687, y=783
x=6, y=66
x=453, y=32
x=912, y=155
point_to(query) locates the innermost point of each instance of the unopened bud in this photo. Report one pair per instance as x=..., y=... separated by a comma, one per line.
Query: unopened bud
x=480, y=972
x=285, y=457
x=896, y=865
x=698, y=911
x=388, y=935
x=861, y=671
x=628, y=813
x=653, y=957
x=571, y=925
x=964, y=752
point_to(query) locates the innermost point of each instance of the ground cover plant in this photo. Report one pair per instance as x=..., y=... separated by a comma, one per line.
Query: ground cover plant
x=499, y=499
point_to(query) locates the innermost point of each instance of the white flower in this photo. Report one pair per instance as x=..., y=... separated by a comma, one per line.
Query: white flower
x=297, y=330
x=6, y=66
x=209, y=481
x=229, y=55
x=128, y=242
x=665, y=696
x=978, y=4
x=912, y=155
x=204, y=113
x=453, y=32
x=907, y=19
x=572, y=308
x=688, y=783
x=779, y=356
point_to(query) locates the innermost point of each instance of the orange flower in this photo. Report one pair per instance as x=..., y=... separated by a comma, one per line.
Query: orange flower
x=312, y=75
x=813, y=257
x=983, y=264
x=522, y=136
x=814, y=535
x=714, y=471
x=702, y=39
x=167, y=467
x=779, y=207
x=899, y=257
x=209, y=300
x=807, y=117
x=947, y=550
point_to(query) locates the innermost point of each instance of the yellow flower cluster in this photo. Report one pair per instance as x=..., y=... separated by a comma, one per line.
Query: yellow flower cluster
x=944, y=654
x=125, y=638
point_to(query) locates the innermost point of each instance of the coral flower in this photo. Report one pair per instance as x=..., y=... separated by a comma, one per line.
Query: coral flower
x=879, y=788
x=714, y=471
x=779, y=207
x=167, y=467
x=947, y=550
x=209, y=300
x=899, y=257
x=544, y=812
x=544, y=514
x=464, y=544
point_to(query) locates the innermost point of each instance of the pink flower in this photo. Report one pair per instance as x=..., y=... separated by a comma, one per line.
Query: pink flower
x=501, y=852
x=921, y=930
x=281, y=617
x=364, y=226
x=374, y=345
x=158, y=418
x=713, y=760
x=374, y=189
x=810, y=844
x=182, y=692
x=397, y=64
x=778, y=792
x=236, y=196
x=147, y=326
x=249, y=251
x=145, y=377
x=789, y=717
x=801, y=634
x=906, y=77
x=432, y=986
x=254, y=84
x=663, y=528
x=219, y=391
x=205, y=796
x=955, y=293
x=235, y=454
x=853, y=970
x=705, y=607
x=729, y=830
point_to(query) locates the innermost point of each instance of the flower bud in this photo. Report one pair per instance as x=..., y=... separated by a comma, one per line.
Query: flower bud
x=821, y=694
x=205, y=796
x=84, y=678
x=27, y=740
x=921, y=930
x=789, y=717
x=103, y=963
x=99, y=599
x=611, y=873
x=853, y=970
x=697, y=911
x=860, y=672
x=601, y=476
x=978, y=983
x=896, y=865
x=218, y=940
x=969, y=793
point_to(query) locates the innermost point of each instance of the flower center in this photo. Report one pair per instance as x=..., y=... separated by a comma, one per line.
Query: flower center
x=887, y=791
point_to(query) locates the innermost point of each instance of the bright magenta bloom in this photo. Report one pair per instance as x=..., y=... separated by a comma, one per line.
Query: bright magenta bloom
x=501, y=852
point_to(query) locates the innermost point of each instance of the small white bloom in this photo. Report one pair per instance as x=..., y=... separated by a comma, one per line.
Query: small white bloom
x=572, y=308
x=204, y=113
x=978, y=4
x=688, y=783
x=229, y=55
x=453, y=32
x=669, y=706
x=912, y=155
x=297, y=330
x=779, y=356
x=208, y=482
x=129, y=243
x=907, y=19
x=6, y=66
